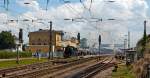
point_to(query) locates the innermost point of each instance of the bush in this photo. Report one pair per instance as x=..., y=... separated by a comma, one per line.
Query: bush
x=140, y=68
x=8, y=55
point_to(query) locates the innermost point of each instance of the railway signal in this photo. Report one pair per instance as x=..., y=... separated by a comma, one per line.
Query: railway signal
x=99, y=42
x=78, y=37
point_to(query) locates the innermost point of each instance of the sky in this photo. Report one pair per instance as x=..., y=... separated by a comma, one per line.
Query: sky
x=129, y=15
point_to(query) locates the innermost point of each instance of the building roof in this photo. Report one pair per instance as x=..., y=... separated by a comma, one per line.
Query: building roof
x=42, y=30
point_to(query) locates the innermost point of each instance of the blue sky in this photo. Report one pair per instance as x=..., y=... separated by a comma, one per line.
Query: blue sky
x=14, y=7
x=129, y=15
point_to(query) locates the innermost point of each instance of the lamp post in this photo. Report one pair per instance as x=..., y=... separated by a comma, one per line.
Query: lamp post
x=125, y=43
x=17, y=47
x=145, y=39
x=50, y=41
x=99, y=44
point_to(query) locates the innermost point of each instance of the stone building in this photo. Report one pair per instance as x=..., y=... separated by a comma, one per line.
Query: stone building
x=39, y=40
x=71, y=42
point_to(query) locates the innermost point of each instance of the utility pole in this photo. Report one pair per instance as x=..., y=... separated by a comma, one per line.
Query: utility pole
x=145, y=33
x=47, y=2
x=114, y=51
x=144, y=38
x=6, y=4
x=50, y=41
x=125, y=40
x=128, y=39
x=19, y=44
x=17, y=61
x=99, y=43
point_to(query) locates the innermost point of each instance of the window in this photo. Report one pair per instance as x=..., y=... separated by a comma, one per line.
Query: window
x=45, y=44
x=39, y=39
x=58, y=39
x=39, y=43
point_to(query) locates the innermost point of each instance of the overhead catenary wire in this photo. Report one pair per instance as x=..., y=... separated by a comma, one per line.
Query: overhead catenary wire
x=68, y=5
x=77, y=13
x=47, y=3
x=87, y=8
x=83, y=4
x=73, y=10
x=90, y=7
x=6, y=4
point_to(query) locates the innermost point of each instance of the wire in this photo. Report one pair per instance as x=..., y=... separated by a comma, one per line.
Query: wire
x=90, y=7
x=84, y=6
x=74, y=10
x=71, y=8
x=47, y=5
x=6, y=4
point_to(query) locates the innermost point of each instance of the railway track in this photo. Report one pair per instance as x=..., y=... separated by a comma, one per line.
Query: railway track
x=103, y=67
x=92, y=70
x=5, y=72
x=66, y=72
x=47, y=70
x=20, y=69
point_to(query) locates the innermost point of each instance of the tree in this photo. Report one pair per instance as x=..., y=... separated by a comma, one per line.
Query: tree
x=141, y=45
x=7, y=40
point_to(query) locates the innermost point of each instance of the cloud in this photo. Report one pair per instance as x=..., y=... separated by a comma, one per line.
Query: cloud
x=32, y=5
x=128, y=14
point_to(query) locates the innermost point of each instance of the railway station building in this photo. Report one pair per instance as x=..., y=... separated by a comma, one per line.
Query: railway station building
x=39, y=41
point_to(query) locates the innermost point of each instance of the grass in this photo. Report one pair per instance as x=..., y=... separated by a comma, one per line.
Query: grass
x=123, y=72
x=12, y=63
x=9, y=54
x=9, y=64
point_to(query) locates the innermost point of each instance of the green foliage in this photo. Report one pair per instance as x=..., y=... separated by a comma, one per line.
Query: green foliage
x=142, y=41
x=7, y=55
x=123, y=72
x=142, y=45
x=25, y=54
x=7, y=40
